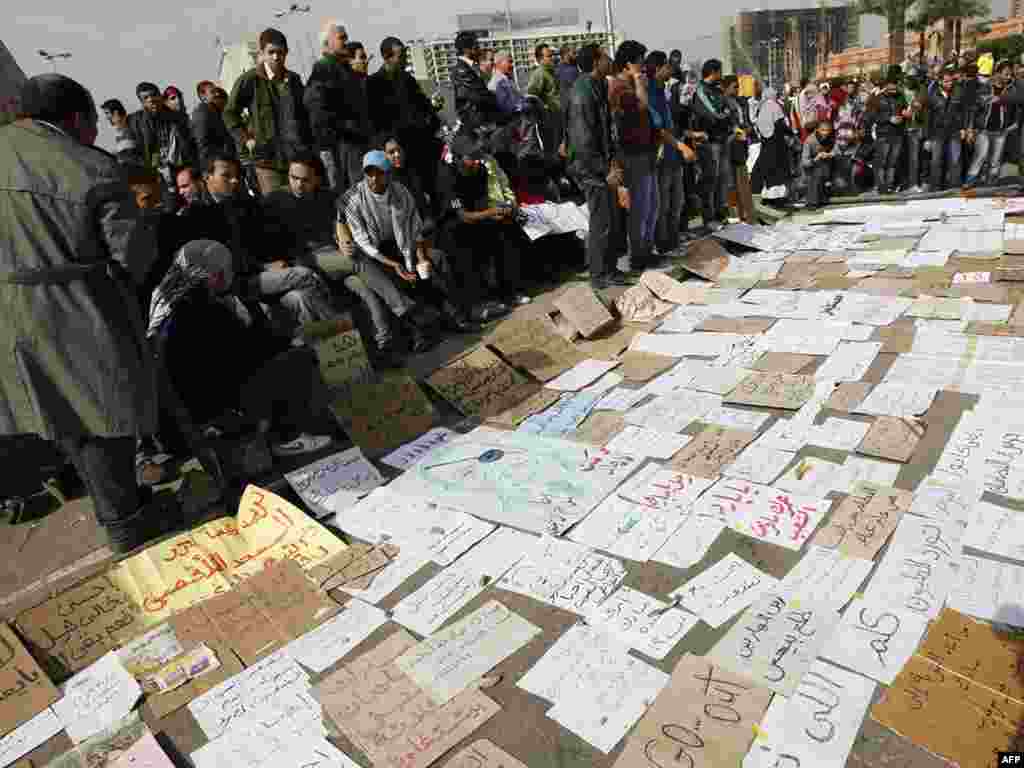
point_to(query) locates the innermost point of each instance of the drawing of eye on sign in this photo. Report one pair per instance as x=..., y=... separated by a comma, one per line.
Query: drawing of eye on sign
x=763, y=512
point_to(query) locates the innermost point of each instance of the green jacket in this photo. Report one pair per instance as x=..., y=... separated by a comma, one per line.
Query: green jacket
x=277, y=117
x=544, y=85
x=76, y=362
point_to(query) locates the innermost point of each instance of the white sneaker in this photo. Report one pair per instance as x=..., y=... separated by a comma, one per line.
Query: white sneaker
x=304, y=443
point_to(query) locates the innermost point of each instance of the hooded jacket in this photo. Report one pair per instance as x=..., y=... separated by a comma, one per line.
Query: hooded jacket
x=277, y=116
x=336, y=100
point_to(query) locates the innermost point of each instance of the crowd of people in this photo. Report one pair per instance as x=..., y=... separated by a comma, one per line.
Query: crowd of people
x=165, y=287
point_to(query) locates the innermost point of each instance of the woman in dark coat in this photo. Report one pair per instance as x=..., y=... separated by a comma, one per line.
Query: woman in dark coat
x=774, y=164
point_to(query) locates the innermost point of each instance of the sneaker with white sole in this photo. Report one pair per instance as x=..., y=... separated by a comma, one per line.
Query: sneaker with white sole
x=304, y=443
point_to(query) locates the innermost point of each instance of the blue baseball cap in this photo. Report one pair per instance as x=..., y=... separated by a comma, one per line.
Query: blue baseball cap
x=376, y=159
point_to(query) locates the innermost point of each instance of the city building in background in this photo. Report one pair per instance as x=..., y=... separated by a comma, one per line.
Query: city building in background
x=779, y=46
x=433, y=60
x=12, y=78
x=516, y=21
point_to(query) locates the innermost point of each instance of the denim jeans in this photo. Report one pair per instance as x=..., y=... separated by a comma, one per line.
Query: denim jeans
x=887, y=157
x=988, y=146
x=344, y=165
x=641, y=181
x=671, y=201
x=300, y=292
x=817, y=175
x=914, y=140
x=714, y=179
x=947, y=150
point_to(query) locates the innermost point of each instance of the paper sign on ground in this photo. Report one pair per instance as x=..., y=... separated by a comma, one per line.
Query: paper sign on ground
x=598, y=688
x=257, y=744
x=690, y=542
x=989, y=590
x=812, y=476
x=705, y=718
x=849, y=362
x=533, y=347
x=29, y=735
x=430, y=606
x=336, y=482
x=126, y=743
x=382, y=414
x=483, y=754
x=996, y=530
x=99, y=695
x=875, y=639
x=944, y=502
x=901, y=399
x=710, y=450
x=528, y=482
x=642, y=622
x=582, y=307
x=724, y=589
x=864, y=520
x=342, y=356
x=581, y=375
x=565, y=574
x=673, y=412
x=410, y=453
x=371, y=690
x=563, y=416
x=620, y=399
x=773, y=390
x=637, y=519
x=857, y=469
x=446, y=663
x=480, y=384
x=684, y=344
x=765, y=513
x=641, y=366
x=775, y=642
x=535, y=403
x=919, y=567
x=638, y=441
x=323, y=646
x=892, y=438
x=817, y=726
x=735, y=418
x=758, y=464
x=825, y=576
x=25, y=690
x=408, y=561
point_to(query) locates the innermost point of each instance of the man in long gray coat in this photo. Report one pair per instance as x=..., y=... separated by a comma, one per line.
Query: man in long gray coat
x=76, y=370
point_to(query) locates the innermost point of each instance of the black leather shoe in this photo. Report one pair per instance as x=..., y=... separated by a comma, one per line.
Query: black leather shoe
x=460, y=324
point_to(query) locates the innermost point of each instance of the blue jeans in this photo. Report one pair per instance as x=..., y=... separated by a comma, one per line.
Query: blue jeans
x=988, y=146
x=642, y=184
x=947, y=150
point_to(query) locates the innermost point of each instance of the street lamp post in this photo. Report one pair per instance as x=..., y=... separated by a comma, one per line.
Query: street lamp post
x=52, y=58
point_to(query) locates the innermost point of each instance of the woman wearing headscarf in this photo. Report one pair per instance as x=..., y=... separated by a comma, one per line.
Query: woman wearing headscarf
x=772, y=169
x=219, y=355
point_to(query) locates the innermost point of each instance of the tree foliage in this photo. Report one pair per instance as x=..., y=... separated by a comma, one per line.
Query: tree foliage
x=895, y=14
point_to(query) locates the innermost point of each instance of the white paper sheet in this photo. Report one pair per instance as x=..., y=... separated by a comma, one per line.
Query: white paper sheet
x=817, y=726
x=430, y=606
x=98, y=696
x=275, y=687
x=825, y=576
x=716, y=379
x=919, y=567
x=29, y=735
x=685, y=319
x=989, y=590
x=643, y=622
x=944, y=503
x=892, y=399
x=684, y=344
x=255, y=745
x=759, y=464
x=724, y=589
x=673, y=412
x=811, y=476
x=678, y=377
x=446, y=531
x=735, y=418
x=565, y=574
x=849, y=362
x=326, y=644
x=637, y=519
x=996, y=531
x=776, y=640
x=763, y=512
x=335, y=483
x=857, y=469
x=809, y=344
x=875, y=639
x=410, y=559
x=408, y=454
x=581, y=375
x=690, y=542
x=447, y=663
x=620, y=399
x=870, y=309
x=839, y=434
x=639, y=441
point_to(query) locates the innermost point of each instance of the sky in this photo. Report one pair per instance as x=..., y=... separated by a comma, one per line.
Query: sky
x=115, y=45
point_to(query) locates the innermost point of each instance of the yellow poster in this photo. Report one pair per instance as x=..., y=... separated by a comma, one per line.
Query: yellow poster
x=746, y=86
x=985, y=63
x=78, y=626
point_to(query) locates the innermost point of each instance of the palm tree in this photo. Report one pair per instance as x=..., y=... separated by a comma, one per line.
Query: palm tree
x=919, y=22
x=895, y=14
x=952, y=13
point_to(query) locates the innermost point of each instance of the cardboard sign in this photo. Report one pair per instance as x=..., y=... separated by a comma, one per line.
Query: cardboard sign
x=532, y=346
x=383, y=414
x=535, y=403
x=666, y=288
x=643, y=366
x=706, y=258
x=481, y=384
x=773, y=390
x=848, y=396
x=748, y=326
x=783, y=362
x=341, y=352
x=892, y=438
x=582, y=307
x=25, y=690
x=864, y=520
x=711, y=450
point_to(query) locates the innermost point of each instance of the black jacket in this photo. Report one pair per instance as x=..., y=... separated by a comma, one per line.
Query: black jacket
x=474, y=103
x=886, y=108
x=337, y=104
x=211, y=136
x=946, y=116
x=161, y=139
x=299, y=226
x=589, y=132
x=277, y=118
x=236, y=223
x=711, y=114
x=398, y=107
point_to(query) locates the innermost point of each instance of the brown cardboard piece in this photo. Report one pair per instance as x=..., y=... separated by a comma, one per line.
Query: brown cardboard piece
x=483, y=753
x=950, y=715
x=25, y=690
x=535, y=403
x=705, y=258
x=748, y=326
x=847, y=396
x=372, y=689
x=890, y=437
x=773, y=390
x=783, y=362
x=584, y=309
x=598, y=428
x=669, y=289
x=994, y=329
x=704, y=718
x=341, y=352
x=561, y=325
x=712, y=449
x=481, y=384
x=384, y=414
x=639, y=305
x=352, y=565
x=863, y=521
x=643, y=366
x=532, y=346
x=609, y=343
